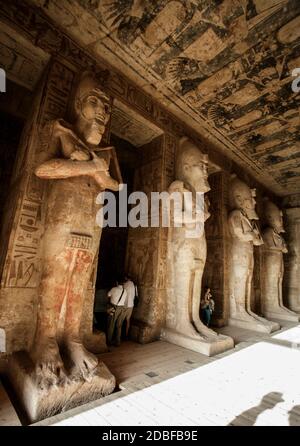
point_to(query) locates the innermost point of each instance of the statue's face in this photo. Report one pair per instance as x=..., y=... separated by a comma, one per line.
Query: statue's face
x=196, y=168
x=93, y=112
x=246, y=201
x=275, y=219
x=195, y=171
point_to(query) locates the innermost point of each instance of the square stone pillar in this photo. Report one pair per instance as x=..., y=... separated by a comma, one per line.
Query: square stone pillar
x=146, y=260
x=216, y=268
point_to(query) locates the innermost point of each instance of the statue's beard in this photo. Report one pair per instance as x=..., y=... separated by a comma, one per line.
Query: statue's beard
x=200, y=185
x=94, y=133
x=251, y=214
x=91, y=131
x=279, y=229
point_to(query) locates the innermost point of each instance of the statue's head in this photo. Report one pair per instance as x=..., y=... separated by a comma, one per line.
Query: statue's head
x=92, y=109
x=191, y=165
x=242, y=197
x=273, y=216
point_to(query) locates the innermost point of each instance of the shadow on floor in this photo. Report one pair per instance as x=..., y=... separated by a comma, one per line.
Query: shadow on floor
x=249, y=417
x=294, y=416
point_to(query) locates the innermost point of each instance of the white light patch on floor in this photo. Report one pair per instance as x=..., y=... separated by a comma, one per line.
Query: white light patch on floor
x=291, y=335
x=258, y=385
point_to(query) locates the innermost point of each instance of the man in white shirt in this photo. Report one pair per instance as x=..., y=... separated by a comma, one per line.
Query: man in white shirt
x=117, y=297
x=131, y=290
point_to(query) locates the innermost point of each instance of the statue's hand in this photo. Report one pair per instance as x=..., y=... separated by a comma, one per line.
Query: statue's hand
x=80, y=155
x=101, y=174
x=98, y=164
x=257, y=240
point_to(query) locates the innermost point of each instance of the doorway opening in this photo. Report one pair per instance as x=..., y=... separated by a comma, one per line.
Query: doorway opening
x=14, y=108
x=113, y=245
x=131, y=135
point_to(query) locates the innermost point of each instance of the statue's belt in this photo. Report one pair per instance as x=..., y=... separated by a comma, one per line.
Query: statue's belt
x=79, y=241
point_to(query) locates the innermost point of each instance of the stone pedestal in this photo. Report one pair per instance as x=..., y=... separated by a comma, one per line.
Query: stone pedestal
x=202, y=345
x=40, y=401
x=283, y=314
x=254, y=324
x=95, y=342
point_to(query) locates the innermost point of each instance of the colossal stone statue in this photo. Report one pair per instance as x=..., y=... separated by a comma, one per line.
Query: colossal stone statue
x=274, y=248
x=60, y=372
x=187, y=257
x=244, y=235
x=292, y=282
x=71, y=237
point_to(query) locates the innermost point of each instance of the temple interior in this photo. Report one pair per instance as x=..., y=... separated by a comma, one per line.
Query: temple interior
x=139, y=114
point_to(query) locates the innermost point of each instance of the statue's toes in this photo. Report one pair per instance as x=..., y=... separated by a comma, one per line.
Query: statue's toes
x=87, y=367
x=45, y=377
x=91, y=362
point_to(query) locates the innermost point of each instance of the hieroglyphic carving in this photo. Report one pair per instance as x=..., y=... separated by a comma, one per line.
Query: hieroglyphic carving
x=23, y=268
x=129, y=125
x=23, y=62
x=170, y=144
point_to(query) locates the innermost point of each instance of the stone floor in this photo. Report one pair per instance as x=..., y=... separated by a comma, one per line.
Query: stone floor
x=257, y=383
x=8, y=415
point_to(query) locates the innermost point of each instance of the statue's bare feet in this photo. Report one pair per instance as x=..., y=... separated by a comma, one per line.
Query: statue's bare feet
x=190, y=331
x=259, y=318
x=84, y=362
x=205, y=331
x=49, y=366
x=243, y=315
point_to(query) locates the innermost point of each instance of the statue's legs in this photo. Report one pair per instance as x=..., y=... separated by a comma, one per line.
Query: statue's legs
x=183, y=259
x=238, y=290
x=187, y=290
x=84, y=361
x=53, y=286
x=249, y=291
x=242, y=272
x=272, y=295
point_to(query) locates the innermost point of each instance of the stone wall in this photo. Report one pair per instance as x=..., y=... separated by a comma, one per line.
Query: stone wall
x=147, y=247
x=215, y=272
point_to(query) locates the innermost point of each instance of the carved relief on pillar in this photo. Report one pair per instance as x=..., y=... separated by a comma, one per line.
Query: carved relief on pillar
x=144, y=257
x=215, y=230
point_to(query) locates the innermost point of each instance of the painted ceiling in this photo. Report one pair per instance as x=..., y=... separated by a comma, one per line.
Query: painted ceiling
x=223, y=66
